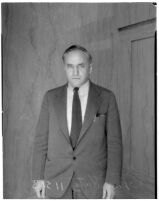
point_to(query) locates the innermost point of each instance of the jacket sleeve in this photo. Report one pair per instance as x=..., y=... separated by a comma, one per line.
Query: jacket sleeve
x=114, y=143
x=40, y=143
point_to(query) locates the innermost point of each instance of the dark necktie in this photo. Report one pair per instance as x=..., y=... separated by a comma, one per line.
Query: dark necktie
x=76, y=118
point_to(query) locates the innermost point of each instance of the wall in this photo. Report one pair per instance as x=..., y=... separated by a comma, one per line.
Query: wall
x=133, y=51
x=34, y=38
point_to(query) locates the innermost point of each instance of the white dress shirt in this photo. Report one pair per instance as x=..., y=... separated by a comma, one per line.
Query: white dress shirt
x=83, y=95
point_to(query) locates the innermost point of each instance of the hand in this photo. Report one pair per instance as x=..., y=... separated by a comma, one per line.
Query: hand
x=108, y=191
x=39, y=187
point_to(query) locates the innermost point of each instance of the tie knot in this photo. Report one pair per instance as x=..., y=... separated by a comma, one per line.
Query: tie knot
x=76, y=89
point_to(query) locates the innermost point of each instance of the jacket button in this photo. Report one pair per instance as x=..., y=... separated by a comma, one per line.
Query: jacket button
x=74, y=158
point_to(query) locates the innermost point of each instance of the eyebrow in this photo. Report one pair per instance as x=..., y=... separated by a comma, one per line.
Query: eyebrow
x=78, y=64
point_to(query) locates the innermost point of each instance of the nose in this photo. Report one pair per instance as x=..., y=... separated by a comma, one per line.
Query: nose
x=76, y=71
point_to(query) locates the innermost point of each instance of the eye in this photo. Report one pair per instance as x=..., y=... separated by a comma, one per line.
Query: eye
x=69, y=66
x=82, y=65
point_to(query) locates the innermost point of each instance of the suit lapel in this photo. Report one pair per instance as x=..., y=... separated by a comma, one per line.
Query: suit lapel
x=93, y=104
x=60, y=109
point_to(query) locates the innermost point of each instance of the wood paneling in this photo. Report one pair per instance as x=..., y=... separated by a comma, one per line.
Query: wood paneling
x=136, y=63
x=142, y=130
x=132, y=13
x=34, y=38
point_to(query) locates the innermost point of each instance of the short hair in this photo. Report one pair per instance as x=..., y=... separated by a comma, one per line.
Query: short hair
x=77, y=47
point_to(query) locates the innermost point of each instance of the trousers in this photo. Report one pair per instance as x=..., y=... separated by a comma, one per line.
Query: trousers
x=73, y=191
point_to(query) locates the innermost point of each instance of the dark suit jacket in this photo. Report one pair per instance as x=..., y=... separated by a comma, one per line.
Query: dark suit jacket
x=98, y=153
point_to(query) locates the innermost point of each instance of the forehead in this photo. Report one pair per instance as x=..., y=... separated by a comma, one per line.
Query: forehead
x=76, y=55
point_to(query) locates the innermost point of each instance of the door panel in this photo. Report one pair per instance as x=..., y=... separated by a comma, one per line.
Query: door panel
x=142, y=130
x=137, y=52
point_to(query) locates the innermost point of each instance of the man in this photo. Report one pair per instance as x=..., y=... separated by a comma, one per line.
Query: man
x=77, y=147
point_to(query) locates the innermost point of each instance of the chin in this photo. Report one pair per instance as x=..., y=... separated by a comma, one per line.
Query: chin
x=76, y=84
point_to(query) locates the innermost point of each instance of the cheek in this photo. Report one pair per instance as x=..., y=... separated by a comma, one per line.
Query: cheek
x=68, y=73
x=85, y=74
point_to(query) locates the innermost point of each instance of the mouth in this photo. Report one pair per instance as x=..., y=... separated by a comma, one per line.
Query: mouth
x=76, y=78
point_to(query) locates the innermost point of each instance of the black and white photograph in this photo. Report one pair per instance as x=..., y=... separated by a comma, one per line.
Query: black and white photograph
x=78, y=100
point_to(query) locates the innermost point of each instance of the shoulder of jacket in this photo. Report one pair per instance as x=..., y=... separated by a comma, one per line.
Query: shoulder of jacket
x=103, y=90
x=54, y=91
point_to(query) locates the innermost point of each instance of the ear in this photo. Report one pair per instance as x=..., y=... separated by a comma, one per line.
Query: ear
x=90, y=69
x=64, y=68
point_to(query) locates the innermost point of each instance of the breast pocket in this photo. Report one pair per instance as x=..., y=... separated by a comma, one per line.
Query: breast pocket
x=99, y=121
x=100, y=117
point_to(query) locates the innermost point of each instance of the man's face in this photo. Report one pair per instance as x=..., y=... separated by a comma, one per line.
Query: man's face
x=77, y=68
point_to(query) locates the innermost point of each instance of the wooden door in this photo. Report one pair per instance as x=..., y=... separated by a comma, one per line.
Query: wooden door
x=137, y=53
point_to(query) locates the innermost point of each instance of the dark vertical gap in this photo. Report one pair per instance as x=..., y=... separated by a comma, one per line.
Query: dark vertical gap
x=131, y=104
x=2, y=17
x=155, y=109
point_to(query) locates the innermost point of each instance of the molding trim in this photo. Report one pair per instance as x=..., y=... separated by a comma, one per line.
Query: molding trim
x=138, y=24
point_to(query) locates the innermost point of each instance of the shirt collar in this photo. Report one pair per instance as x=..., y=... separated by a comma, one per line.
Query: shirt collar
x=83, y=90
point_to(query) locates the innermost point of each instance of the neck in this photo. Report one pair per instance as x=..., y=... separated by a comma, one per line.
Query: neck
x=70, y=86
